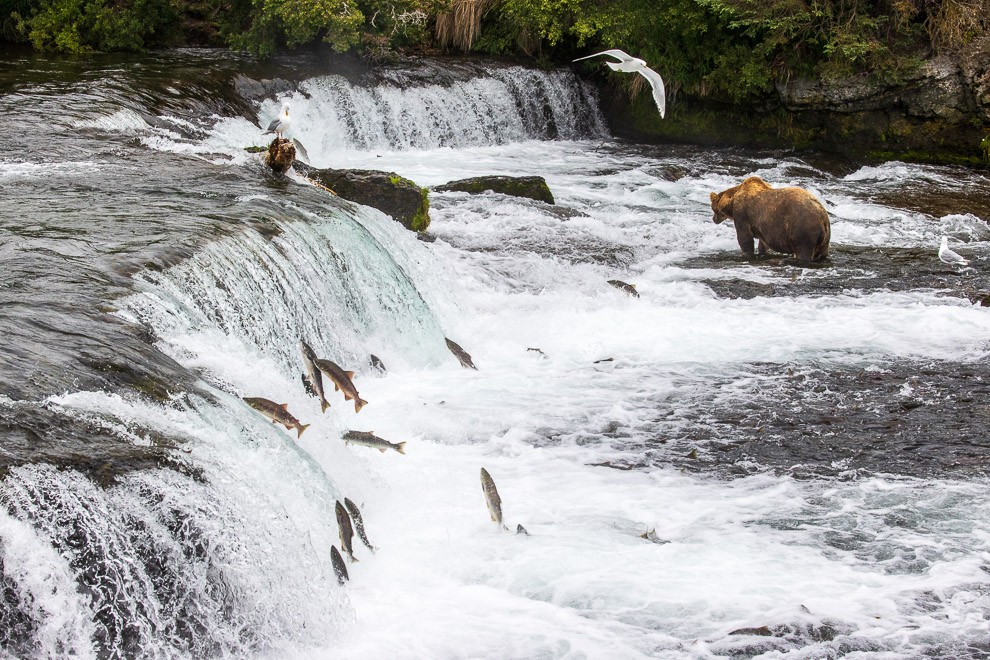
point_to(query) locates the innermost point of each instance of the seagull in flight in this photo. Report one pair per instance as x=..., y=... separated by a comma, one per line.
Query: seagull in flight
x=630, y=64
x=948, y=256
x=281, y=123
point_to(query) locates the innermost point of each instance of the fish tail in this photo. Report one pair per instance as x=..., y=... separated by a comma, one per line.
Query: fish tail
x=401, y=448
x=324, y=405
x=358, y=404
x=300, y=429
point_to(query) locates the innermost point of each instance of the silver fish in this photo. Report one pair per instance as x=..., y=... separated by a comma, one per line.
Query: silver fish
x=345, y=529
x=339, y=569
x=358, y=523
x=460, y=354
x=624, y=286
x=313, y=373
x=277, y=412
x=341, y=381
x=369, y=439
x=492, y=498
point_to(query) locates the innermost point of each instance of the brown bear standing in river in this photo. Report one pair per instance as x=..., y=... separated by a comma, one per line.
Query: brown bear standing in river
x=789, y=220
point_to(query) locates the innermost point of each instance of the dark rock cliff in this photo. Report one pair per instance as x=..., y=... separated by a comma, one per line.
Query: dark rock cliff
x=938, y=113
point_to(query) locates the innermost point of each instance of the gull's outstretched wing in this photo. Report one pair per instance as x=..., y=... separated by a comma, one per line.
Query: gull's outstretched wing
x=615, y=52
x=656, y=82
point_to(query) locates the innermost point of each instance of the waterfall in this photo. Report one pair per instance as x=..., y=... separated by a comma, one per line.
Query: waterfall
x=226, y=557
x=223, y=548
x=495, y=106
x=225, y=551
x=327, y=279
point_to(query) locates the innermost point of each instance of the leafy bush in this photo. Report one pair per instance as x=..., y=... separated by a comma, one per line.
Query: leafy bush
x=263, y=26
x=84, y=25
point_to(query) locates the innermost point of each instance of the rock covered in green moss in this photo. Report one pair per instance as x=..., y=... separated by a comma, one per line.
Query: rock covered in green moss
x=531, y=187
x=388, y=192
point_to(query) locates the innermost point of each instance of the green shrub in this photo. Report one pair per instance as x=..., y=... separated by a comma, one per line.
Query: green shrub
x=85, y=25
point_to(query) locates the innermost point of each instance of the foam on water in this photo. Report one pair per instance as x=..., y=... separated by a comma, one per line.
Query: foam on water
x=881, y=566
x=822, y=562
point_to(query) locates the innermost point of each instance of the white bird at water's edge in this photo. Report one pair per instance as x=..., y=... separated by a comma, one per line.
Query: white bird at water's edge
x=281, y=123
x=629, y=64
x=948, y=256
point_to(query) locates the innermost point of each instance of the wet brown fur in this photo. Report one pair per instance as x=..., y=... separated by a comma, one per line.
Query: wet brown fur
x=788, y=220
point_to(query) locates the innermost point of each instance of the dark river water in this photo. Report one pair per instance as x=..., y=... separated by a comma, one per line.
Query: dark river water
x=808, y=445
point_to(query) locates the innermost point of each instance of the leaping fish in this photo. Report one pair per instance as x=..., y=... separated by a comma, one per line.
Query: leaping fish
x=462, y=356
x=277, y=412
x=313, y=374
x=358, y=523
x=369, y=439
x=346, y=530
x=625, y=286
x=339, y=568
x=341, y=382
x=492, y=498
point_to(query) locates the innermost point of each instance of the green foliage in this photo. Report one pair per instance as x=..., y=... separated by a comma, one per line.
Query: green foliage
x=77, y=26
x=731, y=49
x=263, y=26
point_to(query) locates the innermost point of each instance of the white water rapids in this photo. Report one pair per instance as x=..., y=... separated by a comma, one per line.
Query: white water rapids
x=907, y=574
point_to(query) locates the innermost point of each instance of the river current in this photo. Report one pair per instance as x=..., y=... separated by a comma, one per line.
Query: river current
x=808, y=446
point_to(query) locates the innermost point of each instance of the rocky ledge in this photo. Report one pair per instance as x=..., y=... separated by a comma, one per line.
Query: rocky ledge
x=531, y=187
x=388, y=192
x=939, y=112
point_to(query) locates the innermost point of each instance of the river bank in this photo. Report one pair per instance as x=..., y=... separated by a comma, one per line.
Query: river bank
x=938, y=114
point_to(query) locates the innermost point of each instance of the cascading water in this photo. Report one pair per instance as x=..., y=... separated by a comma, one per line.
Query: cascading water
x=757, y=417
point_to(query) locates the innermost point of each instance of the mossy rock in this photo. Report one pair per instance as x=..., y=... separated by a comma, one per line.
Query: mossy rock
x=393, y=195
x=530, y=187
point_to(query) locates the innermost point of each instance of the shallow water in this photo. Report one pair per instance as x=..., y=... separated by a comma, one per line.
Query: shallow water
x=807, y=443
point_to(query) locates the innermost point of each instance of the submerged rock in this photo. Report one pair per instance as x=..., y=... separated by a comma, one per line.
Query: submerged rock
x=280, y=155
x=388, y=192
x=531, y=187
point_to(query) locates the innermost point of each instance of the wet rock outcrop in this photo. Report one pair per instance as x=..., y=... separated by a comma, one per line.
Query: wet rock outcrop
x=938, y=112
x=388, y=192
x=531, y=187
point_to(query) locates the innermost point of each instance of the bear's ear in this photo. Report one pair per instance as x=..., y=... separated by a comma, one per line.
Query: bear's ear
x=713, y=197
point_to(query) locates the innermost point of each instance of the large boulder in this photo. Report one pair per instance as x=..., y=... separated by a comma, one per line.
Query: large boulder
x=388, y=192
x=531, y=187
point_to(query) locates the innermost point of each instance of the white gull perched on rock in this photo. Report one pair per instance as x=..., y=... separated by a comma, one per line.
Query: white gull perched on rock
x=948, y=256
x=629, y=64
x=281, y=123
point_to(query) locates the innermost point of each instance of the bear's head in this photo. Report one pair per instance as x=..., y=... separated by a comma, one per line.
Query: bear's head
x=721, y=206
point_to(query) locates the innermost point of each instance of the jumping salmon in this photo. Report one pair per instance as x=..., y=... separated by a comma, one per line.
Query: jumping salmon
x=341, y=382
x=313, y=373
x=277, y=412
x=358, y=523
x=345, y=529
x=369, y=439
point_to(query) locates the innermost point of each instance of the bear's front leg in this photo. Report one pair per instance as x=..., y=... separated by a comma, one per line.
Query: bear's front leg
x=762, y=249
x=745, y=237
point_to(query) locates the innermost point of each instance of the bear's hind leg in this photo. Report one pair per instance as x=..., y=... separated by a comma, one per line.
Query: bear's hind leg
x=745, y=237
